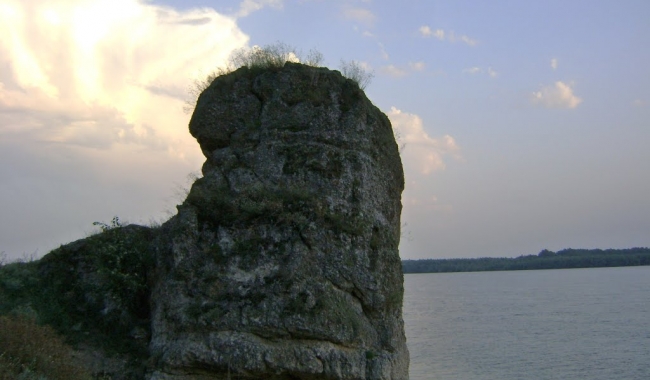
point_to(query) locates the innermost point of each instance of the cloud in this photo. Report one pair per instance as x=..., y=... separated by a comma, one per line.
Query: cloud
x=554, y=63
x=477, y=70
x=417, y=66
x=426, y=31
x=73, y=63
x=421, y=154
x=393, y=71
x=473, y=70
x=360, y=15
x=247, y=7
x=442, y=35
x=639, y=103
x=558, y=95
x=100, y=85
x=462, y=38
x=382, y=50
x=398, y=72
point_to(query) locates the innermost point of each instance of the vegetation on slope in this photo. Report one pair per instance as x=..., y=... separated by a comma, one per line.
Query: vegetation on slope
x=270, y=57
x=29, y=351
x=94, y=292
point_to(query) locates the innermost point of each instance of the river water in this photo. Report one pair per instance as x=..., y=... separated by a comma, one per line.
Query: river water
x=545, y=324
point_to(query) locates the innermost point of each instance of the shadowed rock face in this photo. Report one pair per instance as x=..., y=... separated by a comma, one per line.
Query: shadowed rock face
x=282, y=263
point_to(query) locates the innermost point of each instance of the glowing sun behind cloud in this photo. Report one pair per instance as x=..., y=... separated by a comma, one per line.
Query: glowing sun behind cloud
x=121, y=65
x=91, y=111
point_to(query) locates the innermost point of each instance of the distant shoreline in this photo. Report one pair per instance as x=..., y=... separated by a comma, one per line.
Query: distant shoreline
x=564, y=259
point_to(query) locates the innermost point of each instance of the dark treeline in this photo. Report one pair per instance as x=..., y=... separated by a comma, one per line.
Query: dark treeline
x=566, y=258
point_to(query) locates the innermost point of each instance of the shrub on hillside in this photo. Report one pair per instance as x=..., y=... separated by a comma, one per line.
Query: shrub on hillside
x=255, y=58
x=357, y=72
x=274, y=56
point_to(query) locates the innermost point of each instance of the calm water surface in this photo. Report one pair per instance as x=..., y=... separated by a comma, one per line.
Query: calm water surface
x=548, y=324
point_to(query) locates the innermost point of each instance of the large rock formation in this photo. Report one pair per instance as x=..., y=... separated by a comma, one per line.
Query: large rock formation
x=282, y=263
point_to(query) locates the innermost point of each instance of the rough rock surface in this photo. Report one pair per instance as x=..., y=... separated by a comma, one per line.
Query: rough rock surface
x=283, y=260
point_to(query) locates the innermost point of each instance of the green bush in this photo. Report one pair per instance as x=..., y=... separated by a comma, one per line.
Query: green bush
x=124, y=260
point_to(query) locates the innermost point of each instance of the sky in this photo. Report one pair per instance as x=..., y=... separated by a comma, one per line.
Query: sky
x=522, y=125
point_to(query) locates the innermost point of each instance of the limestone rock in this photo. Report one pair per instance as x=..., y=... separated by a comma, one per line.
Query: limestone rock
x=283, y=261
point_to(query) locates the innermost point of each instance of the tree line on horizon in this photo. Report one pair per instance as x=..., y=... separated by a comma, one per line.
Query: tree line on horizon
x=563, y=259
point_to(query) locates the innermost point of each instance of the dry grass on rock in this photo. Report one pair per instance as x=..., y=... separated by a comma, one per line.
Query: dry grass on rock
x=30, y=352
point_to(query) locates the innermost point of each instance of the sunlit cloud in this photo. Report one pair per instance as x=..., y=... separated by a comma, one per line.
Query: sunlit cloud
x=105, y=69
x=91, y=98
x=554, y=63
x=442, y=35
x=558, y=95
x=247, y=7
x=639, y=103
x=421, y=154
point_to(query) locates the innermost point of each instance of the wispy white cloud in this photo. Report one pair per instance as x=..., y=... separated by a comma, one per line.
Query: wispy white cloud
x=247, y=7
x=450, y=36
x=478, y=70
x=384, y=53
x=639, y=103
x=417, y=66
x=393, y=71
x=426, y=31
x=554, y=63
x=462, y=38
x=557, y=95
x=473, y=70
x=401, y=71
x=421, y=154
x=361, y=15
